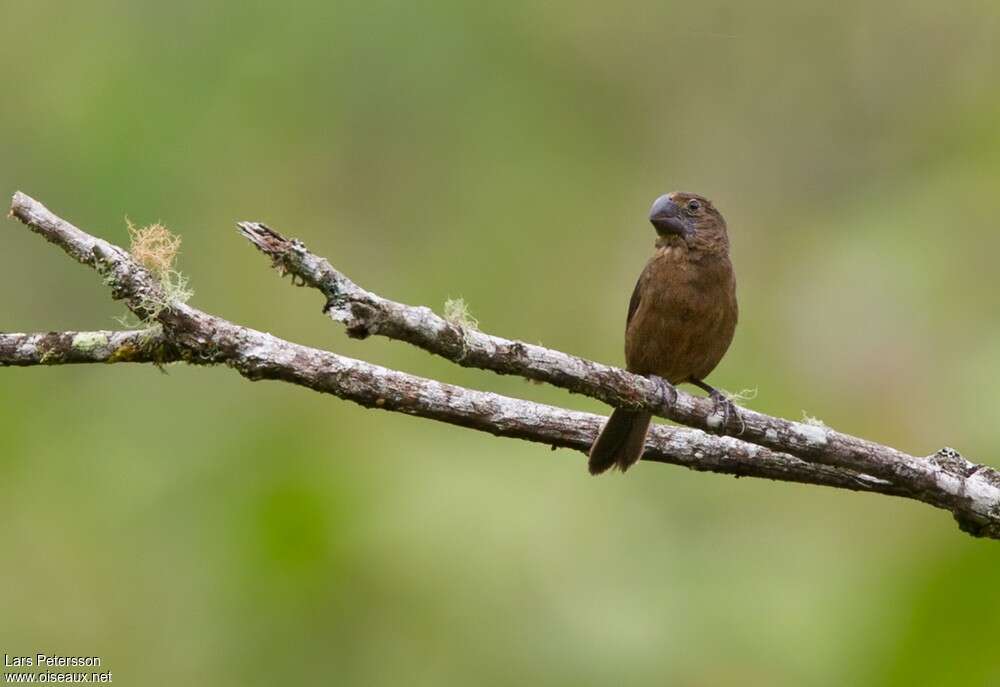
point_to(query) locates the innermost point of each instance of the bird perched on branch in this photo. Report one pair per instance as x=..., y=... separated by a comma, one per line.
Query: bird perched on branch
x=681, y=318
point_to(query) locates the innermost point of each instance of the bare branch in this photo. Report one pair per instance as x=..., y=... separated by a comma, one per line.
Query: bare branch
x=193, y=336
x=976, y=487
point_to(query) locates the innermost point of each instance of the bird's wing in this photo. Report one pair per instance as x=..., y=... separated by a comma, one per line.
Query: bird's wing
x=633, y=303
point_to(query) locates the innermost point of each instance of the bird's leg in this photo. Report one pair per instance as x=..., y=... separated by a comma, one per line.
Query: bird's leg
x=720, y=402
x=668, y=392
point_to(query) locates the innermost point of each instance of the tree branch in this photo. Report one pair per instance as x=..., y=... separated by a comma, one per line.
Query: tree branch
x=971, y=493
x=975, y=487
x=67, y=348
x=187, y=334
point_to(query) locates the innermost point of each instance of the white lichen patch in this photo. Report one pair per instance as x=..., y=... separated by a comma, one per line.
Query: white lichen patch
x=27, y=349
x=982, y=491
x=715, y=420
x=89, y=341
x=771, y=434
x=812, y=434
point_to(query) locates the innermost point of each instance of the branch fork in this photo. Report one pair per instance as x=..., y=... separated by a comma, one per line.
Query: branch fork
x=746, y=443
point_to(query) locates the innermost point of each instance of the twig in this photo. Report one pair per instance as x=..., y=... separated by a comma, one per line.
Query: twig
x=190, y=335
x=67, y=348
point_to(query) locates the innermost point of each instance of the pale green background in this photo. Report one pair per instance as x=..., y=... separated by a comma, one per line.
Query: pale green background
x=193, y=528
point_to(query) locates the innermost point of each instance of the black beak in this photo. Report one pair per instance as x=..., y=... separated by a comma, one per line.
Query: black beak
x=667, y=218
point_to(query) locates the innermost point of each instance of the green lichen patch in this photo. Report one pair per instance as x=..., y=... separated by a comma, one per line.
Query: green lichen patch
x=124, y=353
x=52, y=356
x=89, y=341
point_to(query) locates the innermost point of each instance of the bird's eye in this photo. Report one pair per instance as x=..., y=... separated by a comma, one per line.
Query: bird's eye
x=694, y=205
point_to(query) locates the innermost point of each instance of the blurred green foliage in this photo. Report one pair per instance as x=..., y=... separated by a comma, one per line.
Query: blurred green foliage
x=195, y=528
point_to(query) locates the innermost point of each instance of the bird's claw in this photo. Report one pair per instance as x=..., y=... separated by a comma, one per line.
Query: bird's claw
x=722, y=404
x=668, y=392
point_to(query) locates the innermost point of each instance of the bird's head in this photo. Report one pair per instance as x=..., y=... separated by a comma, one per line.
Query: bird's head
x=689, y=219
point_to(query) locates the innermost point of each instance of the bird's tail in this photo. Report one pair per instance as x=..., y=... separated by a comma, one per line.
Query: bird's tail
x=620, y=442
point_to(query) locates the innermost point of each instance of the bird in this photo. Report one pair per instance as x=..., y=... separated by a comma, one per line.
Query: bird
x=681, y=318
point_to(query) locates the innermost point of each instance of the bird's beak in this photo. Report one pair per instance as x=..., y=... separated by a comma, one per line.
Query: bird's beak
x=666, y=217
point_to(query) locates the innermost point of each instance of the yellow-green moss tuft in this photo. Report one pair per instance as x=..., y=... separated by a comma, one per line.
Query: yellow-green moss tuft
x=456, y=311
x=810, y=420
x=156, y=248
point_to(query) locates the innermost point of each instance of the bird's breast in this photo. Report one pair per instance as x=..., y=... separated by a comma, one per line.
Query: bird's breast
x=686, y=316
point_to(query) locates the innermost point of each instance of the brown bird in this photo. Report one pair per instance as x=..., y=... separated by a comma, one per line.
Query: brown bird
x=681, y=318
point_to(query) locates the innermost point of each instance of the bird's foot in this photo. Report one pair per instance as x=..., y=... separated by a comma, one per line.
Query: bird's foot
x=721, y=406
x=668, y=392
x=723, y=409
